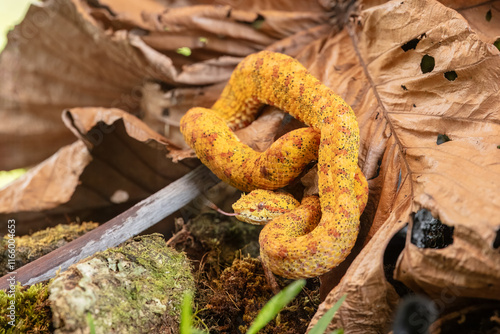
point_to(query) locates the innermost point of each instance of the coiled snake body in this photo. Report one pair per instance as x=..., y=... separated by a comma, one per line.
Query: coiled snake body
x=291, y=245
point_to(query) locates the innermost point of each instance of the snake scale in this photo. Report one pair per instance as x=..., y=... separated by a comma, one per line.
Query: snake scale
x=317, y=235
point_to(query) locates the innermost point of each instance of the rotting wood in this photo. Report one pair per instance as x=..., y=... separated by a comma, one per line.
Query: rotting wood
x=119, y=229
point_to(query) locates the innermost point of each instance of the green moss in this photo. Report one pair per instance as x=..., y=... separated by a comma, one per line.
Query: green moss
x=32, y=311
x=31, y=247
x=134, y=288
x=229, y=302
x=236, y=298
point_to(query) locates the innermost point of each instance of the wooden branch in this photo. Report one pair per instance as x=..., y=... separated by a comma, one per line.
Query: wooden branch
x=117, y=230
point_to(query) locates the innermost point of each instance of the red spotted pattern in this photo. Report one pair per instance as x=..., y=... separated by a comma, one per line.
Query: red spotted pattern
x=291, y=245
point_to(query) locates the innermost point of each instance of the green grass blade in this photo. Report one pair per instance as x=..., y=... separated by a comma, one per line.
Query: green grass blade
x=275, y=305
x=325, y=320
x=90, y=322
x=186, y=326
x=186, y=314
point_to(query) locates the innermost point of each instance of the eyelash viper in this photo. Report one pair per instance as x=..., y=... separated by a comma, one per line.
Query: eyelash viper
x=290, y=246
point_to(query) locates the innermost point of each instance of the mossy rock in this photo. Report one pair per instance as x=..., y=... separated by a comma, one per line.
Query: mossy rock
x=134, y=288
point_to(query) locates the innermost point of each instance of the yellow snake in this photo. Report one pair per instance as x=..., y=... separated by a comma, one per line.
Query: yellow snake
x=291, y=245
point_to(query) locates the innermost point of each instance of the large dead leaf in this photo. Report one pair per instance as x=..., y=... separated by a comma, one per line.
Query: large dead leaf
x=401, y=112
x=116, y=162
x=73, y=53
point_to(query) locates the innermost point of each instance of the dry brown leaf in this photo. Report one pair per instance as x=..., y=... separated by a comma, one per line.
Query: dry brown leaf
x=401, y=111
x=117, y=162
x=72, y=53
x=226, y=30
x=38, y=190
x=56, y=59
x=118, y=14
x=477, y=17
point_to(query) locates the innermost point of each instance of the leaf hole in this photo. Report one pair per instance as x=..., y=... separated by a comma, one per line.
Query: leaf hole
x=496, y=43
x=427, y=64
x=488, y=15
x=412, y=44
x=451, y=75
x=496, y=242
x=258, y=22
x=442, y=138
x=429, y=232
x=185, y=51
x=391, y=254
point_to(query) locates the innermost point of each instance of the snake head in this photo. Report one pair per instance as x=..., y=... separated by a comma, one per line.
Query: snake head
x=261, y=206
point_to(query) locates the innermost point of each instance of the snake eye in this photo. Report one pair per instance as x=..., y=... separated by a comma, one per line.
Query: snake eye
x=260, y=206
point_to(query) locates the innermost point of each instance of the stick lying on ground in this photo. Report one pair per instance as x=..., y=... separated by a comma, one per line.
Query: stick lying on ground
x=119, y=229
